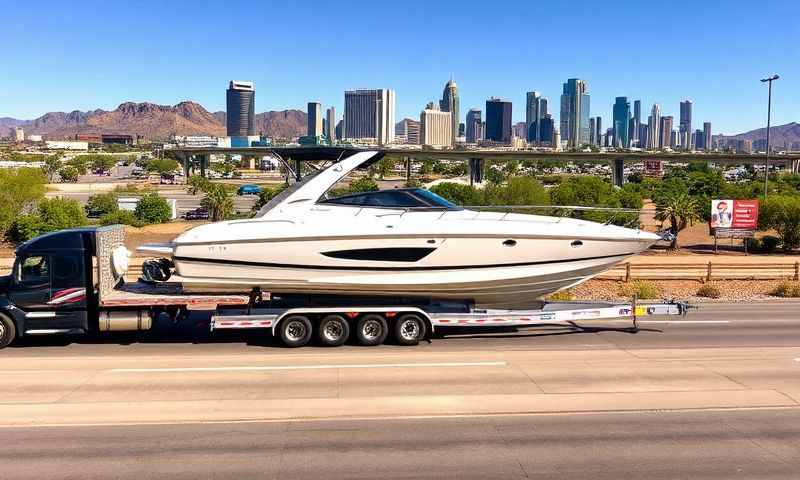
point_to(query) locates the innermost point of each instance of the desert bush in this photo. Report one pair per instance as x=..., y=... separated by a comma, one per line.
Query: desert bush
x=20, y=191
x=153, y=208
x=641, y=288
x=561, y=296
x=786, y=289
x=68, y=174
x=121, y=217
x=103, y=203
x=52, y=214
x=709, y=290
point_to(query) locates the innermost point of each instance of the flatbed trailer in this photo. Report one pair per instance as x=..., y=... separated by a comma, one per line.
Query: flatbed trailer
x=71, y=282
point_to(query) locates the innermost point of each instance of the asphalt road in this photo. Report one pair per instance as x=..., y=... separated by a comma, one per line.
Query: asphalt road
x=712, y=395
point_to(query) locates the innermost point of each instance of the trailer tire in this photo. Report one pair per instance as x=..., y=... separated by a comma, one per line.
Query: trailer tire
x=333, y=330
x=295, y=331
x=8, y=331
x=409, y=329
x=371, y=330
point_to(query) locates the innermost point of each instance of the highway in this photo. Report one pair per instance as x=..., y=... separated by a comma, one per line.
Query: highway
x=712, y=395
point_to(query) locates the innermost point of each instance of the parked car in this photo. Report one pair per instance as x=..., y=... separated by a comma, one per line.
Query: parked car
x=199, y=213
x=93, y=212
x=249, y=190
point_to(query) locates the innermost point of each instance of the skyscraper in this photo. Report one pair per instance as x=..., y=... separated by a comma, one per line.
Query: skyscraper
x=330, y=115
x=314, y=119
x=622, y=116
x=575, y=113
x=409, y=130
x=653, y=127
x=498, y=120
x=435, y=128
x=707, y=142
x=369, y=115
x=637, y=121
x=685, y=125
x=241, y=109
x=598, y=134
x=450, y=103
x=665, y=132
x=592, y=132
x=547, y=131
x=533, y=116
x=473, y=125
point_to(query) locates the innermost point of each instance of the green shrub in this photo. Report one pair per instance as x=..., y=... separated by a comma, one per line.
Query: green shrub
x=51, y=215
x=769, y=243
x=68, y=174
x=197, y=184
x=121, y=217
x=103, y=203
x=782, y=214
x=363, y=184
x=153, y=208
x=641, y=288
x=268, y=194
x=20, y=190
x=709, y=290
x=161, y=165
x=25, y=228
x=458, y=193
x=786, y=289
x=753, y=244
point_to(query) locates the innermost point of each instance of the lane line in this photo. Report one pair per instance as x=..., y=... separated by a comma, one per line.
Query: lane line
x=677, y=322
x=310, y=367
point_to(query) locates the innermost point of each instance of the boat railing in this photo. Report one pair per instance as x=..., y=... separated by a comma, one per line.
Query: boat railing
x=564, y=211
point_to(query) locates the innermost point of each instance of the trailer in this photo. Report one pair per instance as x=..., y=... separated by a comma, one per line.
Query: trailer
x=72, y=282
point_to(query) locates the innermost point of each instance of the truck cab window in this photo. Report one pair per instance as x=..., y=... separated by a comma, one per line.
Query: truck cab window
x=67, y=271
x=34, y=270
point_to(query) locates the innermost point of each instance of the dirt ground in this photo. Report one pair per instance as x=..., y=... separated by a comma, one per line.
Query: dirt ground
x=731, y=290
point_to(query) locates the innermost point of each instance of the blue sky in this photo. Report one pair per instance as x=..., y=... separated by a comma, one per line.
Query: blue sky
x=84, y=55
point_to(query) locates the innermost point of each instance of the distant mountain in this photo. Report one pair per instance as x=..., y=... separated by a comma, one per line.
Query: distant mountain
x=153, y=122
x=780, y=136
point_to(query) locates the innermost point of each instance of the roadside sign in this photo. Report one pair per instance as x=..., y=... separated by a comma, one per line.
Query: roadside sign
x=741, y=214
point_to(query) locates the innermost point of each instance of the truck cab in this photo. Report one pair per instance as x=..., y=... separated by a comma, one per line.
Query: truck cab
x=50, y=288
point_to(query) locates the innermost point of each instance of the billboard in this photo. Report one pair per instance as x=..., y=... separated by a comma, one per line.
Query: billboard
x=741, y=214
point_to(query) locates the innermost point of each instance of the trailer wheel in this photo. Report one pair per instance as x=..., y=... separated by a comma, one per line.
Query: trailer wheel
x=371, y=330
x=333, y=330
x=295, y=331
x=410, y=329
x=8, y=332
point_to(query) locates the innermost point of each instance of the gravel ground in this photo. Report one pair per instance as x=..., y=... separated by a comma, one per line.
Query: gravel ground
x=731, y=290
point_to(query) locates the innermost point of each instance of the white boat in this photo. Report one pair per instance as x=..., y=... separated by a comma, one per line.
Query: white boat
x=398, y=243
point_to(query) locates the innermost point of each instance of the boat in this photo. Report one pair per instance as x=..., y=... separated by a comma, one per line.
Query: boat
x=407, y=243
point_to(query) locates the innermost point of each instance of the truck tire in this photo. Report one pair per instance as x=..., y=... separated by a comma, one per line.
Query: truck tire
x=371, y=330
x=8, y=331
x=333, y=330
x=409, y=329
x=295, y=331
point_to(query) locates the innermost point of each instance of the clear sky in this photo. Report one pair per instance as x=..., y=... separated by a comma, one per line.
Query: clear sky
x=60, y=55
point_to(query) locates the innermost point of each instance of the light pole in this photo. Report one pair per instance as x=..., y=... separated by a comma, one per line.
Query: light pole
x=769, y=111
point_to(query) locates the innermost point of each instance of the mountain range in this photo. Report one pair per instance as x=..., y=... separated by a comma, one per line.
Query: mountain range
x=153, y=122
x=780, y=136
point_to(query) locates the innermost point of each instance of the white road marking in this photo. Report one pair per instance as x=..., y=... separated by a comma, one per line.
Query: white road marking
x=676, y=322
x=310, y=367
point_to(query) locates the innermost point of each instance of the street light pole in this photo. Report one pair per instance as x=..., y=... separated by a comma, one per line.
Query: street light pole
x=769, y=111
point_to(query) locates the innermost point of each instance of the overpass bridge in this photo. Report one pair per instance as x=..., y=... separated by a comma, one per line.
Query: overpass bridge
x=476, y=159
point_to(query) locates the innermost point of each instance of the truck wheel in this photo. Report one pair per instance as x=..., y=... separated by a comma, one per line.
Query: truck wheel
x=333, y=330
x=372, y=330
x=410, y=329
x=295, y=331
x=8, y=331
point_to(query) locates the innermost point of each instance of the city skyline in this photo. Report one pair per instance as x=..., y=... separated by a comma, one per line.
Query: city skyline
x=725, y=92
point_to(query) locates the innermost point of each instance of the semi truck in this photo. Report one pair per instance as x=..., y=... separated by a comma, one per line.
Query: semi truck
x=73, y=282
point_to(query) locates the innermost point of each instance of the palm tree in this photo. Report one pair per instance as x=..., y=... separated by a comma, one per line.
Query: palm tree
x=218, y=202
x=681, y=209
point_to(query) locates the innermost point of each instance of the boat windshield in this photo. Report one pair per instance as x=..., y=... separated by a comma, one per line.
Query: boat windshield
x=399, y=198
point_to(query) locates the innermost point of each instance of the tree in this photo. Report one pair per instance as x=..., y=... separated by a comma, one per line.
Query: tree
x=52, y=163
x=680, y=209
x=20, y=191
x=363, y=184
x=458, y=193
x=52, y=214
x=266, y=195
x=517, y=191
x=592, y=191
x=782, y=214
x=100, y=162
x=162, y=165
x=218, y=201
x=197, y=184
x=68, y=174
x=382, y=169
x=103, y=203
x=153, y=208
x=79, y=164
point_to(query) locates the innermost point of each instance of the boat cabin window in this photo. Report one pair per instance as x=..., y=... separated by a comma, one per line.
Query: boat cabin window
x=399, y=198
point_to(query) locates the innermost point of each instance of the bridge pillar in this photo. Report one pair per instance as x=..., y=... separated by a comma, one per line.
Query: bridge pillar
x=618, y=172
x=796, y=166
x=204, y=159
x=298, y=175
x=408, y=169
x=185, y=163
x=475, y=170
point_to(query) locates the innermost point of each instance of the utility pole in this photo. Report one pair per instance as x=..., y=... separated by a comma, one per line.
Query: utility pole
x=769, y=111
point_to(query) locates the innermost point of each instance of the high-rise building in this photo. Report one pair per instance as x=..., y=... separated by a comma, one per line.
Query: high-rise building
x=533, y=115
x=685, y=125
x=665, y=132
x=637, y=121
x=598, y=135
x=314, y=119
x=435, y=128
x=654, y=127
x=498, y=120
x=644, y=135
x=547, y=131
x=473, y=125
x=707, y=136
x=409, y=130
x=592, y=132
x=17, y=134
x=330, y=116
x=575, y=113
x=622, y=116
x=241, y=109
x=369, y=115
x=461, y=129
x=520, y=130
x=339, y=130
x=450, y=103
x=699, y=140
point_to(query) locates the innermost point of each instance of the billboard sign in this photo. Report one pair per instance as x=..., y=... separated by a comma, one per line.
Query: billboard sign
x=740, y=214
